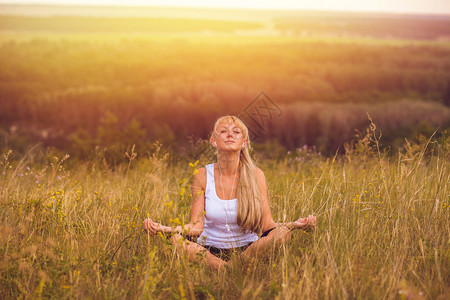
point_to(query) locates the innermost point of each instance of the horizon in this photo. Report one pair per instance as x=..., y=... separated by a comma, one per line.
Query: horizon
x=434, y=7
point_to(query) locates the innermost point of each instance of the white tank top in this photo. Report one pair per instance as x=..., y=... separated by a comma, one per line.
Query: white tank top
x=219, y=213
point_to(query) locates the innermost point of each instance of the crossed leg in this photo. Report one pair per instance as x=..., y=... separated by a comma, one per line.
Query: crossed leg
x=193, y=251
x=276, y=237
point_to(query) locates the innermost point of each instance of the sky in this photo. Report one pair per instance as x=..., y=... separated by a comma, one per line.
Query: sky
x=391, y=6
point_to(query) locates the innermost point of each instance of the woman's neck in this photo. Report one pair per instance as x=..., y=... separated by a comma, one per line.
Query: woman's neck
x=228, y=163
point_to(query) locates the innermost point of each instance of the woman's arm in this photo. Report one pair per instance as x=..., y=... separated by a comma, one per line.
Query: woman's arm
x=195, y=227
x=268, y=222
x=302, y=223
x=153, y=228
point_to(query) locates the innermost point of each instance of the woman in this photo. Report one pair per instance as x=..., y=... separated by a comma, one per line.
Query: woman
x=230, y=211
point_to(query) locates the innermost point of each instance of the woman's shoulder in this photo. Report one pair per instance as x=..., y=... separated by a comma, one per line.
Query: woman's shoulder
x=259, y=173
x=201, y=172
x=199, y=179
x=260, y=177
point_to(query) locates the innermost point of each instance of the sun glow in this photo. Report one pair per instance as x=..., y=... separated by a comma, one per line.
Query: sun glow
x=393, y=6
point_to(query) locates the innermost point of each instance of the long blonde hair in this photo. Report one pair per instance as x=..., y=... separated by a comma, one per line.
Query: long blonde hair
x=249, y=214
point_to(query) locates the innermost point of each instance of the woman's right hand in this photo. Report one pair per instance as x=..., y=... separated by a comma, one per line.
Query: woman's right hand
x=151, y=227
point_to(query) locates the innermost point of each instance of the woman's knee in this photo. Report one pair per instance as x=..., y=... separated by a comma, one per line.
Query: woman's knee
x=282, y=234
x=176, y=239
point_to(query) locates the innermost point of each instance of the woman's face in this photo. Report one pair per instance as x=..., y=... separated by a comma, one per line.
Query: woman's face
x=229, y=136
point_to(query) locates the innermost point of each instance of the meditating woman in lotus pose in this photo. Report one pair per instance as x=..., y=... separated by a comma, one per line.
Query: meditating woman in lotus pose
x=230, y=211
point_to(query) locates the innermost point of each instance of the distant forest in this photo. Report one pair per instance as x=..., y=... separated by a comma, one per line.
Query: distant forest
x=78, y=92
x=375, y=26
x=155, y=20
x=108, y=24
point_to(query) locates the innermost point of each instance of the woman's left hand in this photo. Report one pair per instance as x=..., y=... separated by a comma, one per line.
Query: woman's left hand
x=305, y=223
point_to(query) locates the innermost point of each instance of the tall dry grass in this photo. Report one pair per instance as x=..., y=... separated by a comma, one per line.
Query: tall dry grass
x=383, y=228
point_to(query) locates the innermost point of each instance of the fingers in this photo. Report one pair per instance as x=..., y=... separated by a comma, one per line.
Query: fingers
x=150, y=227
x=154, y=227
x=147, y=223
x=311, y=220
x=302, y=220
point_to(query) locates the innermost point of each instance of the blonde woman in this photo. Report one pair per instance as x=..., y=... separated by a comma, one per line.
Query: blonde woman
x=230, y=211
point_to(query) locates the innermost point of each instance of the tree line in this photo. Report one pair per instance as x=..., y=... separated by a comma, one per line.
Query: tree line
x=76, y=93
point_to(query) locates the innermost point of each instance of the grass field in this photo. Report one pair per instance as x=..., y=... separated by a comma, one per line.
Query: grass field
x=383, y=228
x=96, y=82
